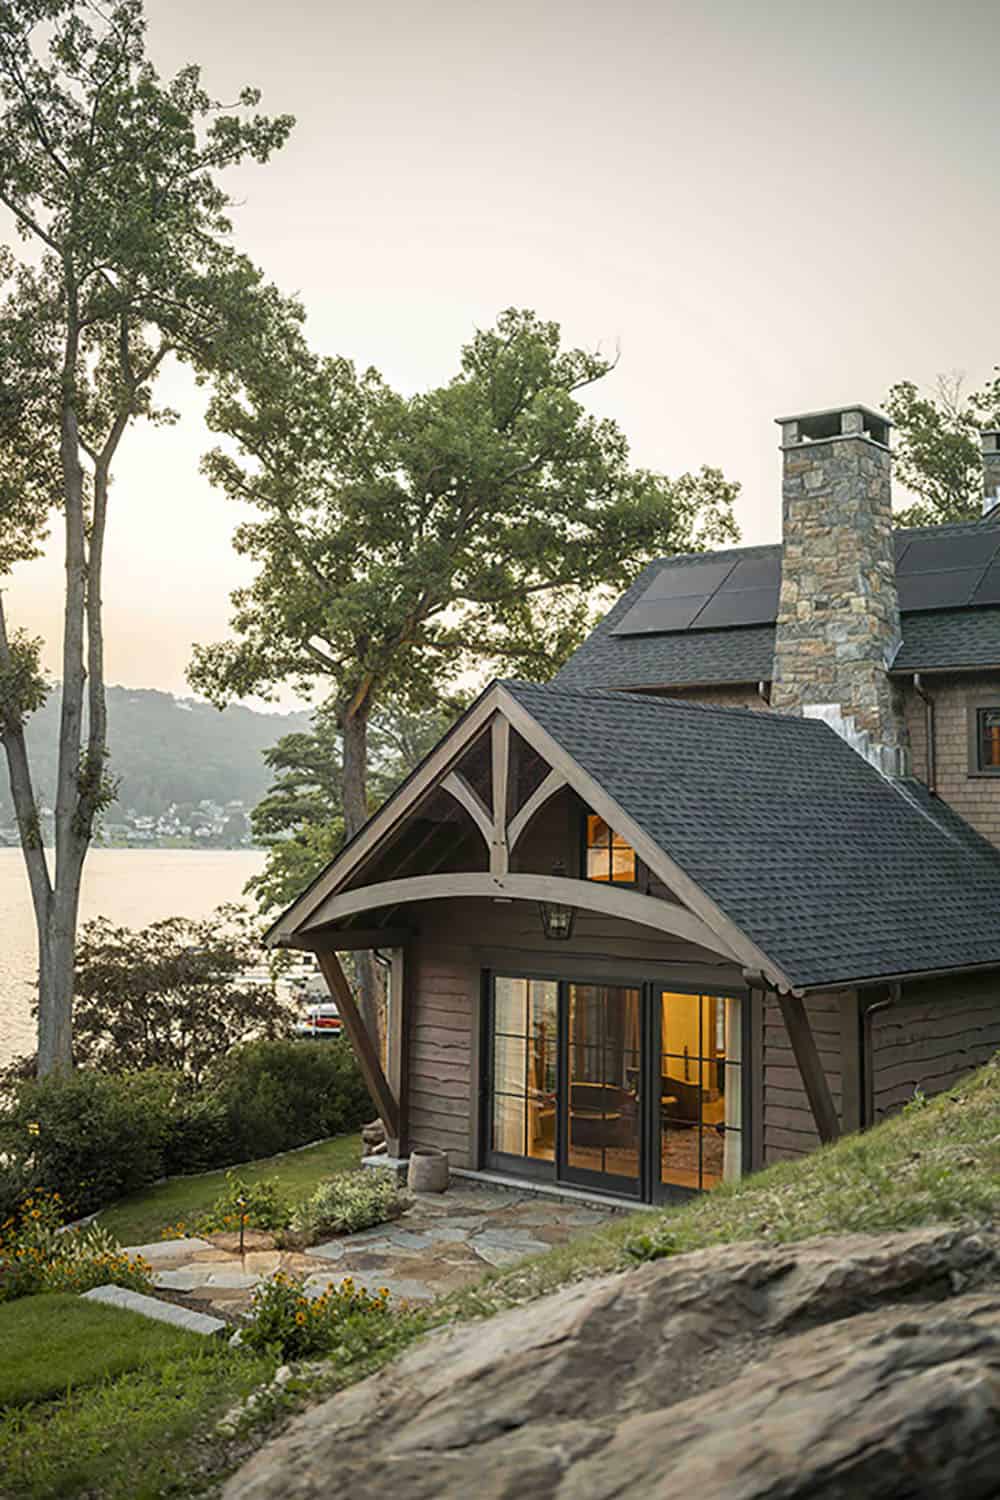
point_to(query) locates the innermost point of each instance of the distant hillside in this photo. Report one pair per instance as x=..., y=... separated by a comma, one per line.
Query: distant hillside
x=166, y=749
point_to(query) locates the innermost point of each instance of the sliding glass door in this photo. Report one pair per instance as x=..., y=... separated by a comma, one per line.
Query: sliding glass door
x=602, y=1113
x=631, y=1089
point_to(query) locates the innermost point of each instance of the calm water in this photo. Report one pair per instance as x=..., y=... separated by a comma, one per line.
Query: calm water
x=129, y=886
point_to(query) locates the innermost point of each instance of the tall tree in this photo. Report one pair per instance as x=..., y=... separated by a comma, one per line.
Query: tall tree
x=404, y=541
x=937, y=450
x=109, y=175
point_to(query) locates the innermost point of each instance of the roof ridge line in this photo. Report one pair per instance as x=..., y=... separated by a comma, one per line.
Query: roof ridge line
x=768, y=714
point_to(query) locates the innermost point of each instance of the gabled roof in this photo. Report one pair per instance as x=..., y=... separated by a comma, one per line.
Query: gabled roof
x=948, y=638
x=770, y=828
x=833, y=871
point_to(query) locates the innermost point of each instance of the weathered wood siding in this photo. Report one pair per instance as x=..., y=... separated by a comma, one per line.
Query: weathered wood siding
x=936, y=1034
x=458, y=940
x=443, y=1010
x=788, y=1126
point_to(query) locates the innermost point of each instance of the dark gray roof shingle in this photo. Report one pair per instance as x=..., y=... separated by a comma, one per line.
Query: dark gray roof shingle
x=937, y=641
x=960, y=638
x=833, y=871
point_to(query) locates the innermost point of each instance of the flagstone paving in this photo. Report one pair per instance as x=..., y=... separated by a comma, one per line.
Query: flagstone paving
x=444, y=1241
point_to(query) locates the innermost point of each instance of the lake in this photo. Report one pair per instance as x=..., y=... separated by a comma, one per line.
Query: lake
x=131, y=887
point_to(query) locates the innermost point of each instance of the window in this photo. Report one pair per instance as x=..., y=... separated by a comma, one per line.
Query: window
x=608, y=857
x=700, y=1104
x=524, y=1050
x=987, y=747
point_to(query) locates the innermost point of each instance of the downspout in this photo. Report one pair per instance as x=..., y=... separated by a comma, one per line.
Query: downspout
x=928, y=701
x=865, y=1054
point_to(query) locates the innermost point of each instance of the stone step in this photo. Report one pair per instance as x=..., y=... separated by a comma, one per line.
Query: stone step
x=152, y=1307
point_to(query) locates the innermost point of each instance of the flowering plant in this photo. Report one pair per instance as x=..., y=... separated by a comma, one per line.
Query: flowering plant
x=254, y=1205
x=37, y=1255
x=340, y=1319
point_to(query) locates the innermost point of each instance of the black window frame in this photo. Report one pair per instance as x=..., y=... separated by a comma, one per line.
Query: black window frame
x=639, y=881
x=975, y=711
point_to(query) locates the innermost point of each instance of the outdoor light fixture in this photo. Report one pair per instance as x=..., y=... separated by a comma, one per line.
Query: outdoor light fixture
x=557, y=918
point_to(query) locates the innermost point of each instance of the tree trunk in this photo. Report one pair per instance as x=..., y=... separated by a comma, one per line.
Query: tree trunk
x=56, y=953
x=354, y=793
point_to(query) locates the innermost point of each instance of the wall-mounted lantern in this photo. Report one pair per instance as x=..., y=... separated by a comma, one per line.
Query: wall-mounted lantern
x=557, y=917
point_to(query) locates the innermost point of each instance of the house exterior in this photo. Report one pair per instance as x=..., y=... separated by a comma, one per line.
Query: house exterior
x=725, y=888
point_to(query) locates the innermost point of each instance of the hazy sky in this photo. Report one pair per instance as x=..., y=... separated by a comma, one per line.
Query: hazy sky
x=771, y=205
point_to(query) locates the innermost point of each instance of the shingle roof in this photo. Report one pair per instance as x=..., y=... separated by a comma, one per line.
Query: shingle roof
x=960, y=638
x=833, y=871
x=936, y=641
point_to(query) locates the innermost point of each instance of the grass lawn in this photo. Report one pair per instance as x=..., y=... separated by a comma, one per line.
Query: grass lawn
x=57, y=1341
x=134, y=1436
x=139, y=1219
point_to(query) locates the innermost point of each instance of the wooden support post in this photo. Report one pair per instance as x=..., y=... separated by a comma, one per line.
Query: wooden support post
x=396, y=1061
x=793, y=1013
x=364, y=1047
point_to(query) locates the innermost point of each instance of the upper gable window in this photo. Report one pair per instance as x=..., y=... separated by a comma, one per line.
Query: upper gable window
x=987, y=740
x=608, y=856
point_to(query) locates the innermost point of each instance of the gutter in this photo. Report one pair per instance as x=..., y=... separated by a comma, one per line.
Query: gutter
x=928, y=702
x=846, y=982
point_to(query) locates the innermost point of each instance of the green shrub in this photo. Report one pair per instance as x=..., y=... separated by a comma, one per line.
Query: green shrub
x=278, y=1095
x=36, y=1255
x=91, y=1137
x=345, y=1317
x=351, y=1202
x=94, y=1136
x=198, y=1137
x=260, y=1205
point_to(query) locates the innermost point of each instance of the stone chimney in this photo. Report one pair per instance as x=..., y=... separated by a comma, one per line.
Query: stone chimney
x=990, y=441
x=838, y=613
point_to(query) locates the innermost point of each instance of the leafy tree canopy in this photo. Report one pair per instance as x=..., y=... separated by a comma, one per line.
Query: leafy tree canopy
x=937, y=448
x=177, y=994
x=403, y=541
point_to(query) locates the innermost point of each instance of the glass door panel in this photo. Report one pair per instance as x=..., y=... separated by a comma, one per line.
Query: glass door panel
x=524, y=1049
x=603, y=1074
x=700, y=1114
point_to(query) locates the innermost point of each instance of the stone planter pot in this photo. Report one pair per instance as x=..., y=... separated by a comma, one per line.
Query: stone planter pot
x=428, y=1171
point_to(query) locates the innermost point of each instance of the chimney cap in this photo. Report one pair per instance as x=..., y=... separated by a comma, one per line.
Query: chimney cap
x=835, y=422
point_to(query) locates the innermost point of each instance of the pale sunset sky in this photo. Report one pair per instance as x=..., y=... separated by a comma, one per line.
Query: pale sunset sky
x=770, y=207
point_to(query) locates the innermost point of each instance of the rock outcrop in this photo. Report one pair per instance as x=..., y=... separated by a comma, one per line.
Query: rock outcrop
x=832, y=1369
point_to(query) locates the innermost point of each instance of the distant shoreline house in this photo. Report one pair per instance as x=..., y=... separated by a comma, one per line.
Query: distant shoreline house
x=726, y=887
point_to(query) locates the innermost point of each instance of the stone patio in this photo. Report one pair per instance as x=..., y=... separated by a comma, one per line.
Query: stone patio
x=442, y=1242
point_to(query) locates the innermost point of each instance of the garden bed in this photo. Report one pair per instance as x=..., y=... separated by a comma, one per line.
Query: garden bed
x=142, y=1217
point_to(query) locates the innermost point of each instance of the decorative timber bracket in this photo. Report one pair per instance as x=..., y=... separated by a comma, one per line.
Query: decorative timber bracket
x=500, y=834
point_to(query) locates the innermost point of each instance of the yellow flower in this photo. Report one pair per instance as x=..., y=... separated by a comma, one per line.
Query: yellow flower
x=300, y=1318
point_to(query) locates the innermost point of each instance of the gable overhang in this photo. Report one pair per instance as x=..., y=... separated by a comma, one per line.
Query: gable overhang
x=327, y=900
